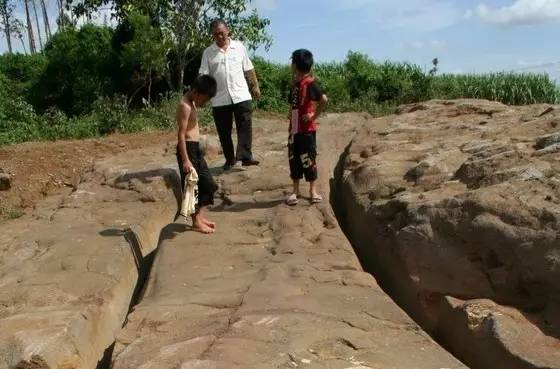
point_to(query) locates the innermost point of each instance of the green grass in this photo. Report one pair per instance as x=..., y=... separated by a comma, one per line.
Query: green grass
x=108, y=116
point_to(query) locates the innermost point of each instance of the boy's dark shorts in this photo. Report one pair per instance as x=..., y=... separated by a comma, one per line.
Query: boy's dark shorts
x=302, y=151
x=206, y=185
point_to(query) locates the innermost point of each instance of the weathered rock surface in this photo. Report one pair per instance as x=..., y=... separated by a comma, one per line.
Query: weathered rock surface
x=455, y=208
x=67, y=274
x=210, y=146
x=274, y=287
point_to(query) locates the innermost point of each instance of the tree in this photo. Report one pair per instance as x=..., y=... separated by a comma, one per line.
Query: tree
x=185, y=31
x=30, y=35
x=186, y=24
x=37, y=23
x=61, y=19
x=65, y=21
x=23, y=71
x=78, y=70
x=6, y=11
x=147, y=51
x=46, y=20
x=17, y=28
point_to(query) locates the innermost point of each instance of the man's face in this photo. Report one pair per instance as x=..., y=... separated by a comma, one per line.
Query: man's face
x=221, y=34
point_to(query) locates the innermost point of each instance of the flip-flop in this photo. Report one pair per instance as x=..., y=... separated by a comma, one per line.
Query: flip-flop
x=316, y=199
x=292, y=200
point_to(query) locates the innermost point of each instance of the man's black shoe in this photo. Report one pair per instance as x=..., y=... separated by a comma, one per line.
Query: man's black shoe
x=227, y=166
x=247, y=163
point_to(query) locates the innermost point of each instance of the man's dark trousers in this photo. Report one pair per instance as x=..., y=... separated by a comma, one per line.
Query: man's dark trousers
x=223, y=117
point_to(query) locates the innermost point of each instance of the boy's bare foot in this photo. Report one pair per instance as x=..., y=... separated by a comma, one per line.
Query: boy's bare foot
x=209, y=223
x=202, y=227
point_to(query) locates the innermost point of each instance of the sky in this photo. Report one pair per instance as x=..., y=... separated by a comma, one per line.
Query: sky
x=465, y=35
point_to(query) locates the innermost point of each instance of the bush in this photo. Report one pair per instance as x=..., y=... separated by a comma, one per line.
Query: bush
x=17, y=117
x=23, y=71
x=332, y=78
x=19, y=123
x=55, y=125
x=357, y=84
x=78, y=70
x=274, y=80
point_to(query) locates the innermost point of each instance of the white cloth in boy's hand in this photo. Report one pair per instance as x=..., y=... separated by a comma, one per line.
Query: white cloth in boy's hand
x=190, y=194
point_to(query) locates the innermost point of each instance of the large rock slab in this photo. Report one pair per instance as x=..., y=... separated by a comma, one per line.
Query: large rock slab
x=274, y=287
x=455, y=207
x=67, y=271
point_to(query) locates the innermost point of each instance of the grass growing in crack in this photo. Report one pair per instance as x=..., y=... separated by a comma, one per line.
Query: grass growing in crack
x=14, y=213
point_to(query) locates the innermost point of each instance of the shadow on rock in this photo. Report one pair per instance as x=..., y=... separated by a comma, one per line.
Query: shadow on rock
x=112, y=232
x=170, y=177
x=239, y=207
x=172, y=230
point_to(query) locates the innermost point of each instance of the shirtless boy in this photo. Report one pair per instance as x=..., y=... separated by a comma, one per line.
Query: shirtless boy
x=189, y=154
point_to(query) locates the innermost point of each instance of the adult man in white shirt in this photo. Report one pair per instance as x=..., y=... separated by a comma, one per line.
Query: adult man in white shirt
x=227, y=61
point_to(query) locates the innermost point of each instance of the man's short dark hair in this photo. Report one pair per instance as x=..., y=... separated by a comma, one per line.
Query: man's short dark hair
x=217, y=22
x=205, y=85
x=303, y=59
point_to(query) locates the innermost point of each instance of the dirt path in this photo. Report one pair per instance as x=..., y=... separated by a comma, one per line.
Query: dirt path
x=275, y=287
x=39, y=169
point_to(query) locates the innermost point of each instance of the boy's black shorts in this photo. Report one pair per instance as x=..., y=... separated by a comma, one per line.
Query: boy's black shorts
x=302, y=151
x=206, y=185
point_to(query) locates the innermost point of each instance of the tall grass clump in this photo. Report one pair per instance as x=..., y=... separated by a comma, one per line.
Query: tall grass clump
x=363, y=84
x=508, y=87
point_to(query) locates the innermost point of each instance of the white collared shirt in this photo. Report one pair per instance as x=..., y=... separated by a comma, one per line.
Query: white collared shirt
x=228, y=68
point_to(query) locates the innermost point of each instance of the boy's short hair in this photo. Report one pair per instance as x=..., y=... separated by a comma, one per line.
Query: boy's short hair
x=303, y=59
x=205, y=85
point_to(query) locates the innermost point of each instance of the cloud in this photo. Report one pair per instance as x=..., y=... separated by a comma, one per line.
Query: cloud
x=437, y=44
x=427, y=45
x=305, y=25
x=521, y=12
x=528, y=64
x=415, y=15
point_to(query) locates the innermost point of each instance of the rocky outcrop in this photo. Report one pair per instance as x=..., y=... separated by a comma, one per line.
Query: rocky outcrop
x=274, y=287
x=67, y=272
x=455, y=207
